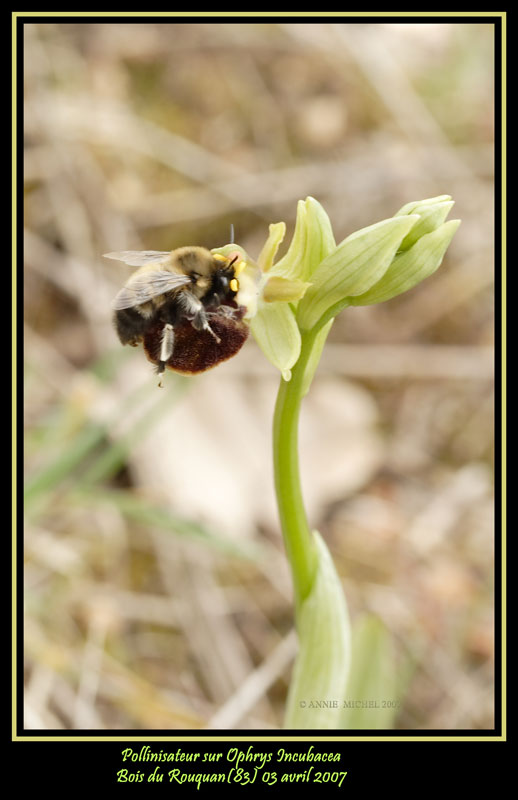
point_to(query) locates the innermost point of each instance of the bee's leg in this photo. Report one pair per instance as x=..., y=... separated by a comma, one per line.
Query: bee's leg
x=166, y=350
x=224, y=311
x=197, y=314
x=201, y=323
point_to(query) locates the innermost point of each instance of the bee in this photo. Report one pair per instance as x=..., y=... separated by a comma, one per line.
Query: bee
x=181, y=305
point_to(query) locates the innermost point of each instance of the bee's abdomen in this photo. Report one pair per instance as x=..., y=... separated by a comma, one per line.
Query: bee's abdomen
x=130, y=325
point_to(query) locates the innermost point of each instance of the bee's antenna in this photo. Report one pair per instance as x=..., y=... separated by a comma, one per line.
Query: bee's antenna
x=231, y=233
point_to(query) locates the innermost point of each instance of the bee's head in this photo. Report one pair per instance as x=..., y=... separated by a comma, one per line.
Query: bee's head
x=224, y=285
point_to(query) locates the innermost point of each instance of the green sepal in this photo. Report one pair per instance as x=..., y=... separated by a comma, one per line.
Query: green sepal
x=312, y=242
x=314, y=358
x=275, y=330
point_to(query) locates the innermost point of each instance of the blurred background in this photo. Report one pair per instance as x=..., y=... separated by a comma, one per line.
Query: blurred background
x=157, y=594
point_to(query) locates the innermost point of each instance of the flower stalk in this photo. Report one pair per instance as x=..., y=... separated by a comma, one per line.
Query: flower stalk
x=292, y=305
x=298, y=539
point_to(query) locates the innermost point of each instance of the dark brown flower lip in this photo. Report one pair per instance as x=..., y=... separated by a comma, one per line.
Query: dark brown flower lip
x=198, y=351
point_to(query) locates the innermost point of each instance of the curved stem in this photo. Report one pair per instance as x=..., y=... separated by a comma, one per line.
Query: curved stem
x=298, y=539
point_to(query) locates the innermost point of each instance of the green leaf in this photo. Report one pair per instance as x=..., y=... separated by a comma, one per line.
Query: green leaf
x=322, y=666
x=371, y=700
x=145, y=512
x=356, y=264
x=72, y=455
x=411, y=267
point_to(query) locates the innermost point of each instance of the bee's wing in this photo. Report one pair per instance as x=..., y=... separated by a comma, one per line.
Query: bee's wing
x=147, y=286
x=139, y=258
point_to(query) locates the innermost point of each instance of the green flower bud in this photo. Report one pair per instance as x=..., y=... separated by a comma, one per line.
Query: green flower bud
x=417, y=206
x=353, y=267
x=410, y=267
x=432, y=213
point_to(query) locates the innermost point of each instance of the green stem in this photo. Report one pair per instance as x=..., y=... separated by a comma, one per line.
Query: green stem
x=298, y=538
